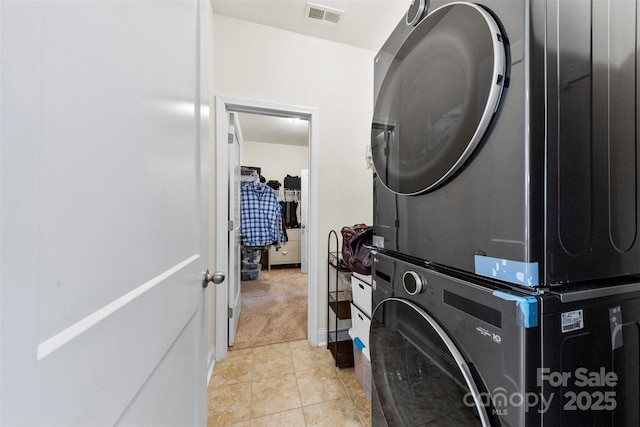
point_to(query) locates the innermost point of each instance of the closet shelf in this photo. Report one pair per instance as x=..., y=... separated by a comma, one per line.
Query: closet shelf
x=340, y=303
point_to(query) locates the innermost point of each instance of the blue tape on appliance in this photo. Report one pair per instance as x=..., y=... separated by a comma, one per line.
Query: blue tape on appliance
x=520, y=273
x=358, y=343
x=528, y=306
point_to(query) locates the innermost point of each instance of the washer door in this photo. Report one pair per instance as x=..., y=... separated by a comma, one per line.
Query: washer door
x=419, y=376
x=438, y=98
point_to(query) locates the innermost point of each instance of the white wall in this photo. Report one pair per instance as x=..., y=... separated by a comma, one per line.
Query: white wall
x=262, y=63
x=275, y=160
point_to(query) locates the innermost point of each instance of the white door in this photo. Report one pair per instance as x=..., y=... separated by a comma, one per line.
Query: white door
x=304, y=213
x=235, y=259
x=104, y=212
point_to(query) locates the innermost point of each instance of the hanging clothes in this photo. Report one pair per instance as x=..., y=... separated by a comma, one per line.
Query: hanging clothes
x=260, y=217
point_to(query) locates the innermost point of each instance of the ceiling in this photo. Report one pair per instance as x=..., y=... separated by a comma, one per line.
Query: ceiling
x=274, y=130
x=365, y=24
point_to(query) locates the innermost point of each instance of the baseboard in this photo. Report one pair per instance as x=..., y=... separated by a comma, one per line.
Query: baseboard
x=322, y=337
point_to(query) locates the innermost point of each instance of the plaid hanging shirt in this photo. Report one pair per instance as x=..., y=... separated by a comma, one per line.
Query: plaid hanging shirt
x=260, y=217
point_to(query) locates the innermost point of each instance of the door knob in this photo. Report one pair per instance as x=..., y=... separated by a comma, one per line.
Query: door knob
x=217, y=278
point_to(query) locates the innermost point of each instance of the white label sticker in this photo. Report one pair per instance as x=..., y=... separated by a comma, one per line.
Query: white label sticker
x=378, y=241
x=572, y=321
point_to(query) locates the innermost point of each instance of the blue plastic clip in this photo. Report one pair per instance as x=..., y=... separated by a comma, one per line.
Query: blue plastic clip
x=528, y=306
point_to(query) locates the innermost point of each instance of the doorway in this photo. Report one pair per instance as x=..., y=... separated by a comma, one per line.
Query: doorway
x=225, y=106
x=274, y=286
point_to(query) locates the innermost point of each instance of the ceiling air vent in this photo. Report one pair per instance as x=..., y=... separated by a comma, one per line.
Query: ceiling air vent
x=315, y=12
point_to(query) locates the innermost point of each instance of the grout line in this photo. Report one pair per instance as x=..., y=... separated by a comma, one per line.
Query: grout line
x=295, y=372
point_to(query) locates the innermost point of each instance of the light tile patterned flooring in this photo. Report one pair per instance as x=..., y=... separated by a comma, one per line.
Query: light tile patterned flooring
x=289, y=384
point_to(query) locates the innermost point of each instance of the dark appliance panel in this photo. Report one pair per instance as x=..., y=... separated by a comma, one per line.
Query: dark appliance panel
x=565, y=357
x=550, y=193
x=593, y=155
x=591, y=336
x=442, y=348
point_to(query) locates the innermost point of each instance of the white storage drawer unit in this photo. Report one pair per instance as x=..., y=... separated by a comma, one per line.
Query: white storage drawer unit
x=365, y=279
x=289, y=253
x=361, y=294
x=360, y=324
x=361, y=308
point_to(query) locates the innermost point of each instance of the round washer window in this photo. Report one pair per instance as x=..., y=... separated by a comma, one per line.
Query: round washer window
x=419, y=377
x=438, y=98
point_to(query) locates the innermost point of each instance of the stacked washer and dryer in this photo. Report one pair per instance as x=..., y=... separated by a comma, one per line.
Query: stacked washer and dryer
x=506, y=279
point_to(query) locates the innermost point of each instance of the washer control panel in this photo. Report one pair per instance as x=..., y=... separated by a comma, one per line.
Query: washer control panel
x=413, y=283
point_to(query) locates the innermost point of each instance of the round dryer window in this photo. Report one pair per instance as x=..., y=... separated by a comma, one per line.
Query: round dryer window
x=438, y=98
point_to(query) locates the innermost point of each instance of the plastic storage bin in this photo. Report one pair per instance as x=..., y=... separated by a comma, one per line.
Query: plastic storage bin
x=251, y=255
x=362, y=366
x=250, y=271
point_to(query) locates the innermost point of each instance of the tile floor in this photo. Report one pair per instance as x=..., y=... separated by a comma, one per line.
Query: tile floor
x=289, y=384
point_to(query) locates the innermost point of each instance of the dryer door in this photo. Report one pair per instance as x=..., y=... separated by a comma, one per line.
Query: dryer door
x=438, y=98
x=419, y=376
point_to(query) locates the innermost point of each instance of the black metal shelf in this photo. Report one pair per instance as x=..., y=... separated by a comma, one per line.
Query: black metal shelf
x=339, y=301
x=335, y=259
x=339, y=342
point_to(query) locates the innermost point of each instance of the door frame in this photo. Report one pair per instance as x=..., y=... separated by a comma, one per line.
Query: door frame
x=234, y=239
x=229, y=104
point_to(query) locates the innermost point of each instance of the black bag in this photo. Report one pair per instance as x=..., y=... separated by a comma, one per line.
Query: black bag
x=273, y=184
x=356, y=248
x=292, y=182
